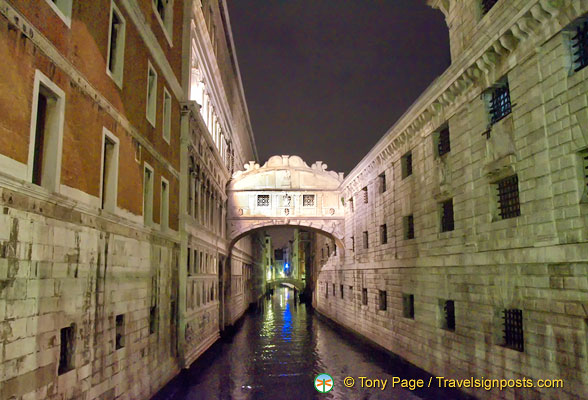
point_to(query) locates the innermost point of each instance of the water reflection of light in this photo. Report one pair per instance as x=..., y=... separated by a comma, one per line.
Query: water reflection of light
x=287, y=327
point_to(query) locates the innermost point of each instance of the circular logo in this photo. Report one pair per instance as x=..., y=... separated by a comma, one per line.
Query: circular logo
x=323, y=383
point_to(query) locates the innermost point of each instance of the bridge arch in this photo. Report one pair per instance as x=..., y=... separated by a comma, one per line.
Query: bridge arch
x=285, y=191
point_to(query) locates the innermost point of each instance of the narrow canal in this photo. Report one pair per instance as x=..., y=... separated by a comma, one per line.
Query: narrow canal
x=278, y=351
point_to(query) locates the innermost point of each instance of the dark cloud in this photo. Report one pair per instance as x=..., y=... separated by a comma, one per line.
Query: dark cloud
x=325, y=79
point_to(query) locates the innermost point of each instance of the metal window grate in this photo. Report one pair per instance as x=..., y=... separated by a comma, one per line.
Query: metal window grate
x=449, y=309
x=409, y=227
x=487, y=5
x=365, y=195
x=508, y=197
x=66, y=351
x=513, y=329
x=263, y=200
x=382, y=177
x=365, y=240
x=444, y=145
x=351, y=205
x=364, y=296
x=408, y=306
x=500, y=105
x=341, y=290
x=580, y=47
x=447, y=223
x=352, y=243
x=383, y=300
x=383, y=234
x=308, y=200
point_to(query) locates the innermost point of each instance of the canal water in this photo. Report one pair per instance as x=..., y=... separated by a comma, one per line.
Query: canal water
x=279, y=349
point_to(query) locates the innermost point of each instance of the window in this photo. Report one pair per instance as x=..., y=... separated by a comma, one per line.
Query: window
x=584, y=174
x=116, y=45
x=46, y=134
x=408, y=227
x=352, y=243
x=406, y=164
x=513, y=329
x=153, y=305
x=263, y=200
x=383, y=234
x=442, y=142
x=148, y=195
x=166, y=115
x=109, y=176
x=382, y=179
x=120, y=331
x=580, y=46
x=151, y=94
x=334, y=289
x=66, y=349
x=448, y=312
x=351, y=208
x=447, y=216
x=365, y=240
x=408, y=306
x=341, y=290
x=63, y=9
x=365, y=195
x=364, y=297
x=164, y=212
x=500, y=105
x=487, y=5
x=308, y=200
x=326, y=290
x=508, y=197
x=164, y=12
x=383, y=300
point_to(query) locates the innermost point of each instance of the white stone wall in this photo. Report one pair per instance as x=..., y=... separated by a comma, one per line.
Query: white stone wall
x=537, y=262
x=85, y=270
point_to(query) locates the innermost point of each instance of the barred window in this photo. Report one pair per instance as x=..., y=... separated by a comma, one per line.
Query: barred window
x=500, y=105
x=487, y=5
x=263, y=200
x=448, y=310
x=406, y=164
x=308, y=200
x=584, y=156
x=580, y=46
x=447, y=223
x=351, y=205
x=409, y=227
x=408, y=306
x=352, y=243
x=364, y=296
x=508, y=197
x=120, y=331
x=513, y=329
x=443, y=143
x=326, y=290
x=383, y=300
x=365, y=194
x=383, y=234
x=341, y=290
x=382, y=178
x=365, y=240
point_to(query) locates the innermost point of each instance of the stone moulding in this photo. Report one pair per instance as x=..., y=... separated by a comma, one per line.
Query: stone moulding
x=472, y=67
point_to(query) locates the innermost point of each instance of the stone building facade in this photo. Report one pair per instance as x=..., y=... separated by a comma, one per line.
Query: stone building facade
x=105, y=149
x=466, y=225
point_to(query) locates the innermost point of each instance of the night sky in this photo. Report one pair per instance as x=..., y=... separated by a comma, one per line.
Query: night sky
x=325, y=79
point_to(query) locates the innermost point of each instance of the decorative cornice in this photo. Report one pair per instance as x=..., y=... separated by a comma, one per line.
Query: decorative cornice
x=449, y=91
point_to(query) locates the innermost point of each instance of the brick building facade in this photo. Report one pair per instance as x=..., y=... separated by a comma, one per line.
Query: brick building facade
x=103, y=142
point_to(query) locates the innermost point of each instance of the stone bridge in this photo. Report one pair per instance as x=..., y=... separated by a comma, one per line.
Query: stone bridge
x=285, y=191
x=297, y=283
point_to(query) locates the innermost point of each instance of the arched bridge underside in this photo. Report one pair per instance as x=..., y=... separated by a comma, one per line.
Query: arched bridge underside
x=285, y=191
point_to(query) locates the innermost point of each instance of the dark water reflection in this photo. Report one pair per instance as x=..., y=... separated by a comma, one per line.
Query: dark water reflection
x=277, y=353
